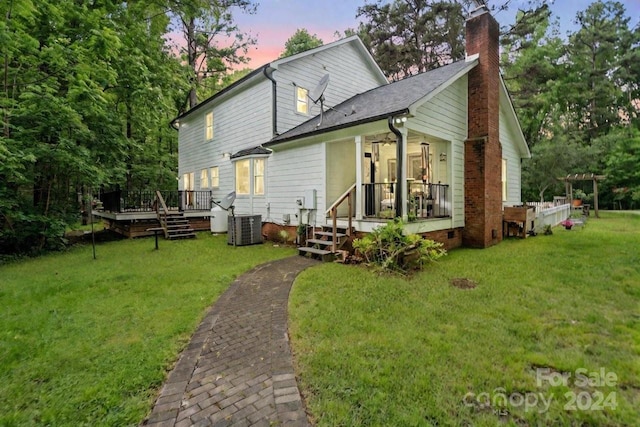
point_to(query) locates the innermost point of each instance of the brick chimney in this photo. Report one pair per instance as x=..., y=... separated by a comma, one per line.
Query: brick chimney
x=483, y=152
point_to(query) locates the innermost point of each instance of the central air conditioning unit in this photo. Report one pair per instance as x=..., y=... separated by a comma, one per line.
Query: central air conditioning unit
x=244, y=230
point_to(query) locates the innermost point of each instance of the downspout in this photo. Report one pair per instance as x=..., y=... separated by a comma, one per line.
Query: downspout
x=274, y=103
x=399, y=167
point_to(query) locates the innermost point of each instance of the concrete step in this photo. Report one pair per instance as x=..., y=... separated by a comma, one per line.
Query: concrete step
x=316, y=253
x=191, y=235
x=329, y=234
x=320, y=242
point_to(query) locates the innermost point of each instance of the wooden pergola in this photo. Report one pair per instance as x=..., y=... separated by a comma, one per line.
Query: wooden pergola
x=571, y=178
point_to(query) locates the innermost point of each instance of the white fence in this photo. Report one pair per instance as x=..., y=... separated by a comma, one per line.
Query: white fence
x=548, y=214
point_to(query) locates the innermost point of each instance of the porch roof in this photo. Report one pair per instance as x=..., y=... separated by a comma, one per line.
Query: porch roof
x=379, y=103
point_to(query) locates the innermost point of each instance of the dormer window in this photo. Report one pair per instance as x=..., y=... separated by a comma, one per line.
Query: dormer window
x=302, y=100
x=208, y=127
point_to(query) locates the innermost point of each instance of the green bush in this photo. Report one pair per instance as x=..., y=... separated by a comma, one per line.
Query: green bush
x=388, y=248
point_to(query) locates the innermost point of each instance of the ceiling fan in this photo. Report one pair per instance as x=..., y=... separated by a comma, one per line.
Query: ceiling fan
x=384, y=140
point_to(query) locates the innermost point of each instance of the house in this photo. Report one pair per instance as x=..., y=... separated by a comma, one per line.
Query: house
x=441, y=149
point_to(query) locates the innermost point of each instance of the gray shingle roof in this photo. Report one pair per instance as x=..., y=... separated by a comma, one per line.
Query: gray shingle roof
x=254, y=151
x=378, y=103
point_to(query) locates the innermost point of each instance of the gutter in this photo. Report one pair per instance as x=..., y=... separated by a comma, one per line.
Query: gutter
x=399, y=165
x=283, y=138
x=268, y=73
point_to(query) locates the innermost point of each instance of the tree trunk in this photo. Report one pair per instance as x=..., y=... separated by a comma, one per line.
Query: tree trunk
x=191, y=57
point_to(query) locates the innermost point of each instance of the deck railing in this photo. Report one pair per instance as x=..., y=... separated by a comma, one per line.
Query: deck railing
x=145, y=201
x=546, y=214
x=425, y=200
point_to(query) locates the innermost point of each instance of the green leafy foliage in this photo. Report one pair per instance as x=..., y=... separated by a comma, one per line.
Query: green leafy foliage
x=300, y=41
x=623, y=171
x=408, y=37
x=388, y=248
x=576, y=97
x=87, y=93
x=213, y=41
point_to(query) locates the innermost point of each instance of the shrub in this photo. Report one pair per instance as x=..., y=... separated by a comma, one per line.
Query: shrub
x=391, y=250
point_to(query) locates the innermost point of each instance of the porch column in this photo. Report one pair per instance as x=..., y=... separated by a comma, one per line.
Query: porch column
x=359, y=171
x=402, y=179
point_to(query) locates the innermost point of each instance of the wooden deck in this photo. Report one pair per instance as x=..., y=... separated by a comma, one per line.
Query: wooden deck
x=136, y=224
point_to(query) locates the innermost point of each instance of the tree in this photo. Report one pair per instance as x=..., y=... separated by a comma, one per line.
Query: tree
x=623, y=173
x=412, y=36
x=595, y=53
x=532, y=54
x=213, y=41
x=300, y=41
x=87, y=92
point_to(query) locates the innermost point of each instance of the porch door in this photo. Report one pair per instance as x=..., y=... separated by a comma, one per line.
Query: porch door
x=369, y=187
x=189, y=186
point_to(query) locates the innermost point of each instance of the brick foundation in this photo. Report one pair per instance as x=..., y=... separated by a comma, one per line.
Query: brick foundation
x=271, y=232
x=451, y=239
x=483, y=152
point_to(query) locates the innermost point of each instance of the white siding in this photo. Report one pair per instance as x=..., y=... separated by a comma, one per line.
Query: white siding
x=445, y=117
x=242, y=121
x=290, y=173
x=349, y=75
x=511, y=154
x=341, y=171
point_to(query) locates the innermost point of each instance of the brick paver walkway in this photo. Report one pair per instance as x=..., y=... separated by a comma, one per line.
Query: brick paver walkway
x=237, y=370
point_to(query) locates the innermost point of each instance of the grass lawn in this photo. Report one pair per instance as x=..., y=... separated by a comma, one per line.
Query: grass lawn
x=88, y=342
x=381, y=351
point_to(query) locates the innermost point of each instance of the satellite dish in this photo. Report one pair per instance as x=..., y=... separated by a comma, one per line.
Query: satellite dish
x=227, y=202
x=317, y=93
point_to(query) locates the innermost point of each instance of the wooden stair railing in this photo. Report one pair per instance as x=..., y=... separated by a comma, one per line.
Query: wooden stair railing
x=162, y=218
x=174, y=224
x=333, y=210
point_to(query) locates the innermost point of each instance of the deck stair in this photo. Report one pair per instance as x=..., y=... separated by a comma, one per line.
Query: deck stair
x=321, y=245
x=326, y=242
x=175, y=224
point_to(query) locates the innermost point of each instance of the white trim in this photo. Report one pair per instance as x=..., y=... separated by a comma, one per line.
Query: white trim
x=296, y=99
x=470, y=58
x=521, y=141
x=359, y=171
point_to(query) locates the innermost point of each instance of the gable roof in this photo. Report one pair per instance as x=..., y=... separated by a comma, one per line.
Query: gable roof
x=354, y=40
x=393, y=99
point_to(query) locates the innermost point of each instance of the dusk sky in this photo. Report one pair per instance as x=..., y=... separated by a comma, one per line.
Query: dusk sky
x=277, y=20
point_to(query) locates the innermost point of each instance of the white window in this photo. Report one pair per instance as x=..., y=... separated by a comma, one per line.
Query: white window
x=258, y=176
x=504, y=180
x=250, y=177
x=302, y=100
x=242, y=176
x=209, y=126
x=204, y=178
x=215, y=177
